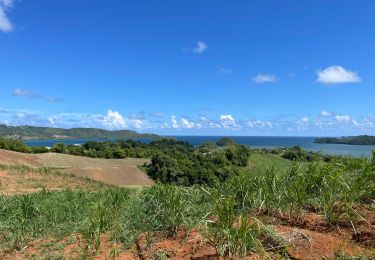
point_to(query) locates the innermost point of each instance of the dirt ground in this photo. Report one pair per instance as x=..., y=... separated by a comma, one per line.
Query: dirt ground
x=121, y=172
x=303, y=243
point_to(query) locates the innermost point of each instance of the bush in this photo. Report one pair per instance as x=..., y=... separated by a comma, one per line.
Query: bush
x=225, y=141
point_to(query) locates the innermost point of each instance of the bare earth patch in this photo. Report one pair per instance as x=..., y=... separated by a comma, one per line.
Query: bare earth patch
x=303, y=244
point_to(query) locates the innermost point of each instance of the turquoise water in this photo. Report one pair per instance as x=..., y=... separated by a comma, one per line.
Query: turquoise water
x=306, y=143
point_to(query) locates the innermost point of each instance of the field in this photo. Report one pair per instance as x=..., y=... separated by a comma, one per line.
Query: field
x=124, y=172
x=276, y=209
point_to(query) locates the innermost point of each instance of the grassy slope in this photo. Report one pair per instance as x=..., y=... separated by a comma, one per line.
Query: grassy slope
x=16, y=179
x=260, y=162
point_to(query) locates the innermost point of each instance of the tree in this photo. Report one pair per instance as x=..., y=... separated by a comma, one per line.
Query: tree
x=225, y=141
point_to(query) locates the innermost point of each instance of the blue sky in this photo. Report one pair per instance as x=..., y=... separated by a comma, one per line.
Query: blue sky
x=198, y=67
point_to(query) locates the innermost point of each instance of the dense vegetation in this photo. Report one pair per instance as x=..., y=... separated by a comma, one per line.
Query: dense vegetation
x=353, y=140
x=172, y=161
x=225, y=141
x=230, y=215
x=193, y=167
x=229, y=194
x=32, y=132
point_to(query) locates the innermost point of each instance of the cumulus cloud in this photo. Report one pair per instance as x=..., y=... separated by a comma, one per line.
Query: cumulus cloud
x=334, y=124
x=5, y=24
x=337, y=75
x=264, y=78
x=174, y=122
x=114, y=120
x=201, y=47
x=228, y=121
x=259, y=124
x=342, y=118
x=186, y=123
x=325, y=113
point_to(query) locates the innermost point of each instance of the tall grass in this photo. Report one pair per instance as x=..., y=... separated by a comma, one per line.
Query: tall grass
x=224, y=213
x=58, y=214
x=334, y=189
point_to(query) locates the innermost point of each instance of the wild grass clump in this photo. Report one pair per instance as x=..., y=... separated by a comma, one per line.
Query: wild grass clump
x=235, y=236
x=59, y=214
x=334, y=189
x=170, y=207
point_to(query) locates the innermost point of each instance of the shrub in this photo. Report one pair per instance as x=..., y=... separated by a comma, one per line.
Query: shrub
x=225, y=141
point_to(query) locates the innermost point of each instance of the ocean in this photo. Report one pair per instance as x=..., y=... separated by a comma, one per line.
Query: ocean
x=306, y=143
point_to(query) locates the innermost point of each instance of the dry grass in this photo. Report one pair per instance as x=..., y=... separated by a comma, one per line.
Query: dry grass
x=120, y=172
x=20, y=180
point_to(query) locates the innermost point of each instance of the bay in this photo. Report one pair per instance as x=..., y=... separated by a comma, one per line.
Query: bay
x=306, y=143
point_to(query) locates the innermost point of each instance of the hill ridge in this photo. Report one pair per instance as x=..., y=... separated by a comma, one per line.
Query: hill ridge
x=36, y=132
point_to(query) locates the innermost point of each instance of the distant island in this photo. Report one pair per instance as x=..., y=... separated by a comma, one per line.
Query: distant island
x=32, y=132
x=352, y=140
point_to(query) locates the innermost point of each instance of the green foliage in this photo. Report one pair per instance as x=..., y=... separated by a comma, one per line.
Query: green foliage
x=189, y=168
x=223, y=212
x=225, y=141
x=235, y=236
x=59, y=214
x=14, y=145
x=353, y=140
x=333, y=189
x=296, y=153
x=170, y=207
x=207, y=147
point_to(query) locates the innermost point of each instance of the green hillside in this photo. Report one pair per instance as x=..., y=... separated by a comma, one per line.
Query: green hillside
x=32, y=132
x=353, y=140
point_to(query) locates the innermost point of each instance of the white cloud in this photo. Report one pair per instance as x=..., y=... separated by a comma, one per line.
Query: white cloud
x=303, y=123
x=342, y=118
x=174, y=122
x=52, y=120
x=114, y=120
x=337, y=75
x=227, y=118
x=259, y=124
x=228, y=121
x=224, y=70
x=355, y=122
x=325, y=113
x=201, y=47
x=19, y=92
x=186, y=123
x=5, y=23
x=264, y=78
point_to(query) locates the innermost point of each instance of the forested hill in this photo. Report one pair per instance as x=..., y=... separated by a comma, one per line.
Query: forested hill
x=32, y=132
x=353, y=140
